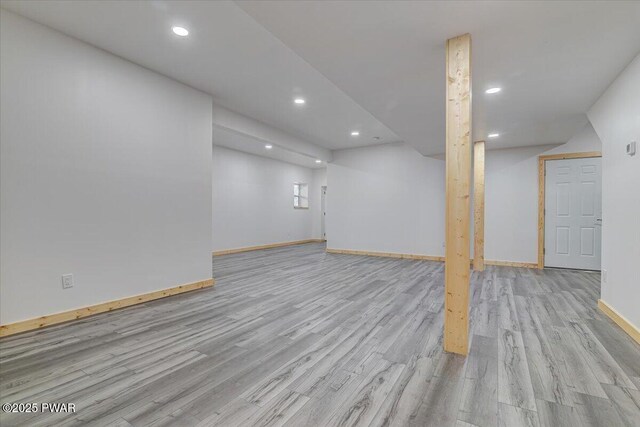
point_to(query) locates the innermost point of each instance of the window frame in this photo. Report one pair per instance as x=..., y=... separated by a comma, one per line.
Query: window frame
x=300, y=200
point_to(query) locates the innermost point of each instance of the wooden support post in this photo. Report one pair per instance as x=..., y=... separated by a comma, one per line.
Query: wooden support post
x=478, y=206
x=458, y=183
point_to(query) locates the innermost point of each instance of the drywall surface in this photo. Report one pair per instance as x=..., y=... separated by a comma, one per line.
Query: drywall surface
x=386, y=198
x=105, y=174
x=389, y=198
x=616, y=119
x=253, y=200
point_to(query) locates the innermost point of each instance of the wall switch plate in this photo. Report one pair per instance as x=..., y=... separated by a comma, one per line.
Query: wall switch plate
x=67, y=281
x=631, y=148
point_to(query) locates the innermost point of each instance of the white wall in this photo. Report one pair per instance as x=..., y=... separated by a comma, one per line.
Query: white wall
x=253, y=200
x=511, y=196
x=387, y=198
x=616, y=119
x=105, y=173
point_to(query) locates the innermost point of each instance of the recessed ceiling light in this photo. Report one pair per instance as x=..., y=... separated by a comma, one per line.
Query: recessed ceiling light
x=268, y=146
x=299, y=101
x=493, y=90
x=318, y=161
x=180, y=31
x=493, y=135
x=355, y=133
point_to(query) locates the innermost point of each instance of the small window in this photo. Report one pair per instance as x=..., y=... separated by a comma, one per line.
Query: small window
x=300, y=196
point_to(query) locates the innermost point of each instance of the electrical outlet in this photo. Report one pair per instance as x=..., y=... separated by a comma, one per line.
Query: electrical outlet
x=604, y=276
x=67, y=281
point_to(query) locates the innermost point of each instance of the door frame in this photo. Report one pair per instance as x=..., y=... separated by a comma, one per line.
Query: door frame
x=541, y=190
x=323, y=209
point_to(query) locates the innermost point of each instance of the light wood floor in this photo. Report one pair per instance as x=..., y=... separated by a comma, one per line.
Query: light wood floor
x=297, y=337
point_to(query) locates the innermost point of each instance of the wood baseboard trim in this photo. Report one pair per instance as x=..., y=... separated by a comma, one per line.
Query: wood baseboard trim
x=620, y=320
x=385, y=254
x=66, y=316
x=513, y=264
x=427, y=257
x=269, y=246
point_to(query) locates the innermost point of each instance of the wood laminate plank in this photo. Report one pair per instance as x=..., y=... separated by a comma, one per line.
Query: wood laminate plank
x=602, y=364
x=480, y=393
x=188, y=359
x=514, y=381
x=235, y=413
x=554, y=414
x=322, y=406
x=596, y=411
x=507, y=313
x=576, y=373
x=362, y=407
x=404, y=401
x=512, y=416
x=440, y=402
x=626, y=401
x=278, y=410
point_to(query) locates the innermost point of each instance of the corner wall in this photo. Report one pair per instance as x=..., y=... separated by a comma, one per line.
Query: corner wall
x=390, y=198
x=253, y=201
x=511, y=196
x=105, y=174
x=616, y=119
x=385, y=198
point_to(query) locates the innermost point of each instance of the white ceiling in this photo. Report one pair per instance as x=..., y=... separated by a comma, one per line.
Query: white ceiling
x=228, y=138
x=226, y=54
x=376, y=66
x=552, y=59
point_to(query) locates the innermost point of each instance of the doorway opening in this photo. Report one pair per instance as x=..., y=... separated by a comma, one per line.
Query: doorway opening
x=323, y=212
x=570, y=210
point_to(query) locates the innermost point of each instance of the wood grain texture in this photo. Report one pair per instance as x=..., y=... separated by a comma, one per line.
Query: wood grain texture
x=512, y=416
x=541, y=192
x=294, y=336
x=514, y=381
x=53, y=319
x=478, y=206
x=425, y=257
x=385, y=254
x=457, y=193
x=626, y=401
x=479, y=403
x=268, y=246
x=541, y=184
x=511, y=263
x=580, y=155
x=553, y=414
x=620, y=320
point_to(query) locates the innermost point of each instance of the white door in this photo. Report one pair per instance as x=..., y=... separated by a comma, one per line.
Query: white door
x=323, y=213
x=573, y=213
